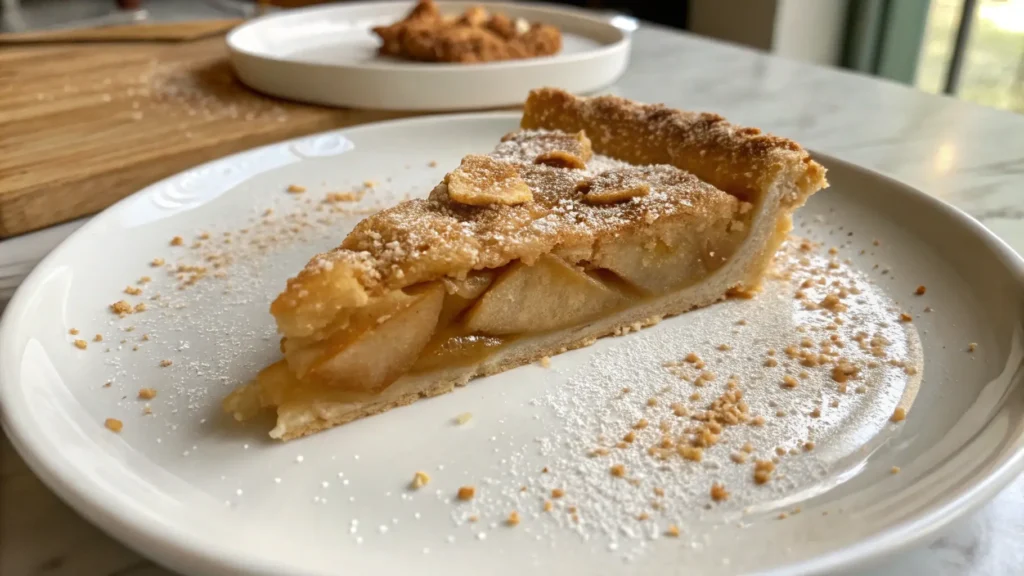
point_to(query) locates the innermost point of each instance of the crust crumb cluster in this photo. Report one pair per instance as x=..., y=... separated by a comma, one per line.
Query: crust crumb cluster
x=763, y=471
x=420, y=479
x=719, y=493
x=899, y=414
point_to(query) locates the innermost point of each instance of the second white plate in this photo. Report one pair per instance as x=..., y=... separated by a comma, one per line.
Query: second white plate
x=327, y=55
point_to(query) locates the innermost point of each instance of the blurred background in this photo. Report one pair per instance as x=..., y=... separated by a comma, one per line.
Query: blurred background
x=969, y=49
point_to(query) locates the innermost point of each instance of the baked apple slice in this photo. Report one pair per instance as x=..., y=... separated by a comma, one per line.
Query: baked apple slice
x=543, y=296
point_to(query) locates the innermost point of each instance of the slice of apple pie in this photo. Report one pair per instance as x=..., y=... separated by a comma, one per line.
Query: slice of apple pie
x=599, y=214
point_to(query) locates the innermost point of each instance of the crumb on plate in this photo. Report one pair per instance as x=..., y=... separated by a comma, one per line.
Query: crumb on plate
x=420, y=479
x=718, y=492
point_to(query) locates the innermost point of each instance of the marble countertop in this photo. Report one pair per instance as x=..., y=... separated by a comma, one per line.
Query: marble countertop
x=971, y=157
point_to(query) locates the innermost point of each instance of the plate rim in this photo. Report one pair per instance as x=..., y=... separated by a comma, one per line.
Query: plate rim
x=164, y=542
x=623, y=42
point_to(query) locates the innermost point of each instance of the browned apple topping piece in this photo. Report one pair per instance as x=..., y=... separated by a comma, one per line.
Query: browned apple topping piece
x=482, y=181
x=566, y=151
x=613, y=186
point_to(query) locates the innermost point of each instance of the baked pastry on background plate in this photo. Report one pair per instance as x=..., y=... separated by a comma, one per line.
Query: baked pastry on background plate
x=475, y=36
x=599, y=215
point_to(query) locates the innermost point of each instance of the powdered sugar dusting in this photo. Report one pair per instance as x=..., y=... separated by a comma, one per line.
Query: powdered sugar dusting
x=619, y=442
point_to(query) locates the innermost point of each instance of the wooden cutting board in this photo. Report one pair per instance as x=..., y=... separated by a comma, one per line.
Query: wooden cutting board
x=146, y=31
x=83, y=125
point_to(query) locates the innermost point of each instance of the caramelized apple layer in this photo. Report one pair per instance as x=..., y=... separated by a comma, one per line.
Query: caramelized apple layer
x=453, y=322
x=539, y=236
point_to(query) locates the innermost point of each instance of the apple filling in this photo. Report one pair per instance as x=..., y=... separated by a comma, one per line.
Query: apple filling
x=451, y=322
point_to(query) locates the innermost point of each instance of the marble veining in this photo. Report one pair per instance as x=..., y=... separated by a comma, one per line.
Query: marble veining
x=970, y=156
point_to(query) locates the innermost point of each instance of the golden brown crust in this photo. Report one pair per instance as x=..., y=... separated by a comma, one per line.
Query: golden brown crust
x=741, y=161
x=426, y=35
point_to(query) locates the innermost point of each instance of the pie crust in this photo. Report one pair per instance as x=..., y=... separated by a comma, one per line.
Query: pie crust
x=599, y=216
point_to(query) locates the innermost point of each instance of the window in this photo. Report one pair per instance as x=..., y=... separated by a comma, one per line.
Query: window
x=986, y=64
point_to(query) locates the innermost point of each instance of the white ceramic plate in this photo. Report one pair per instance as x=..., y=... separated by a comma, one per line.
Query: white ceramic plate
x=204, y=495
x=327, y=55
